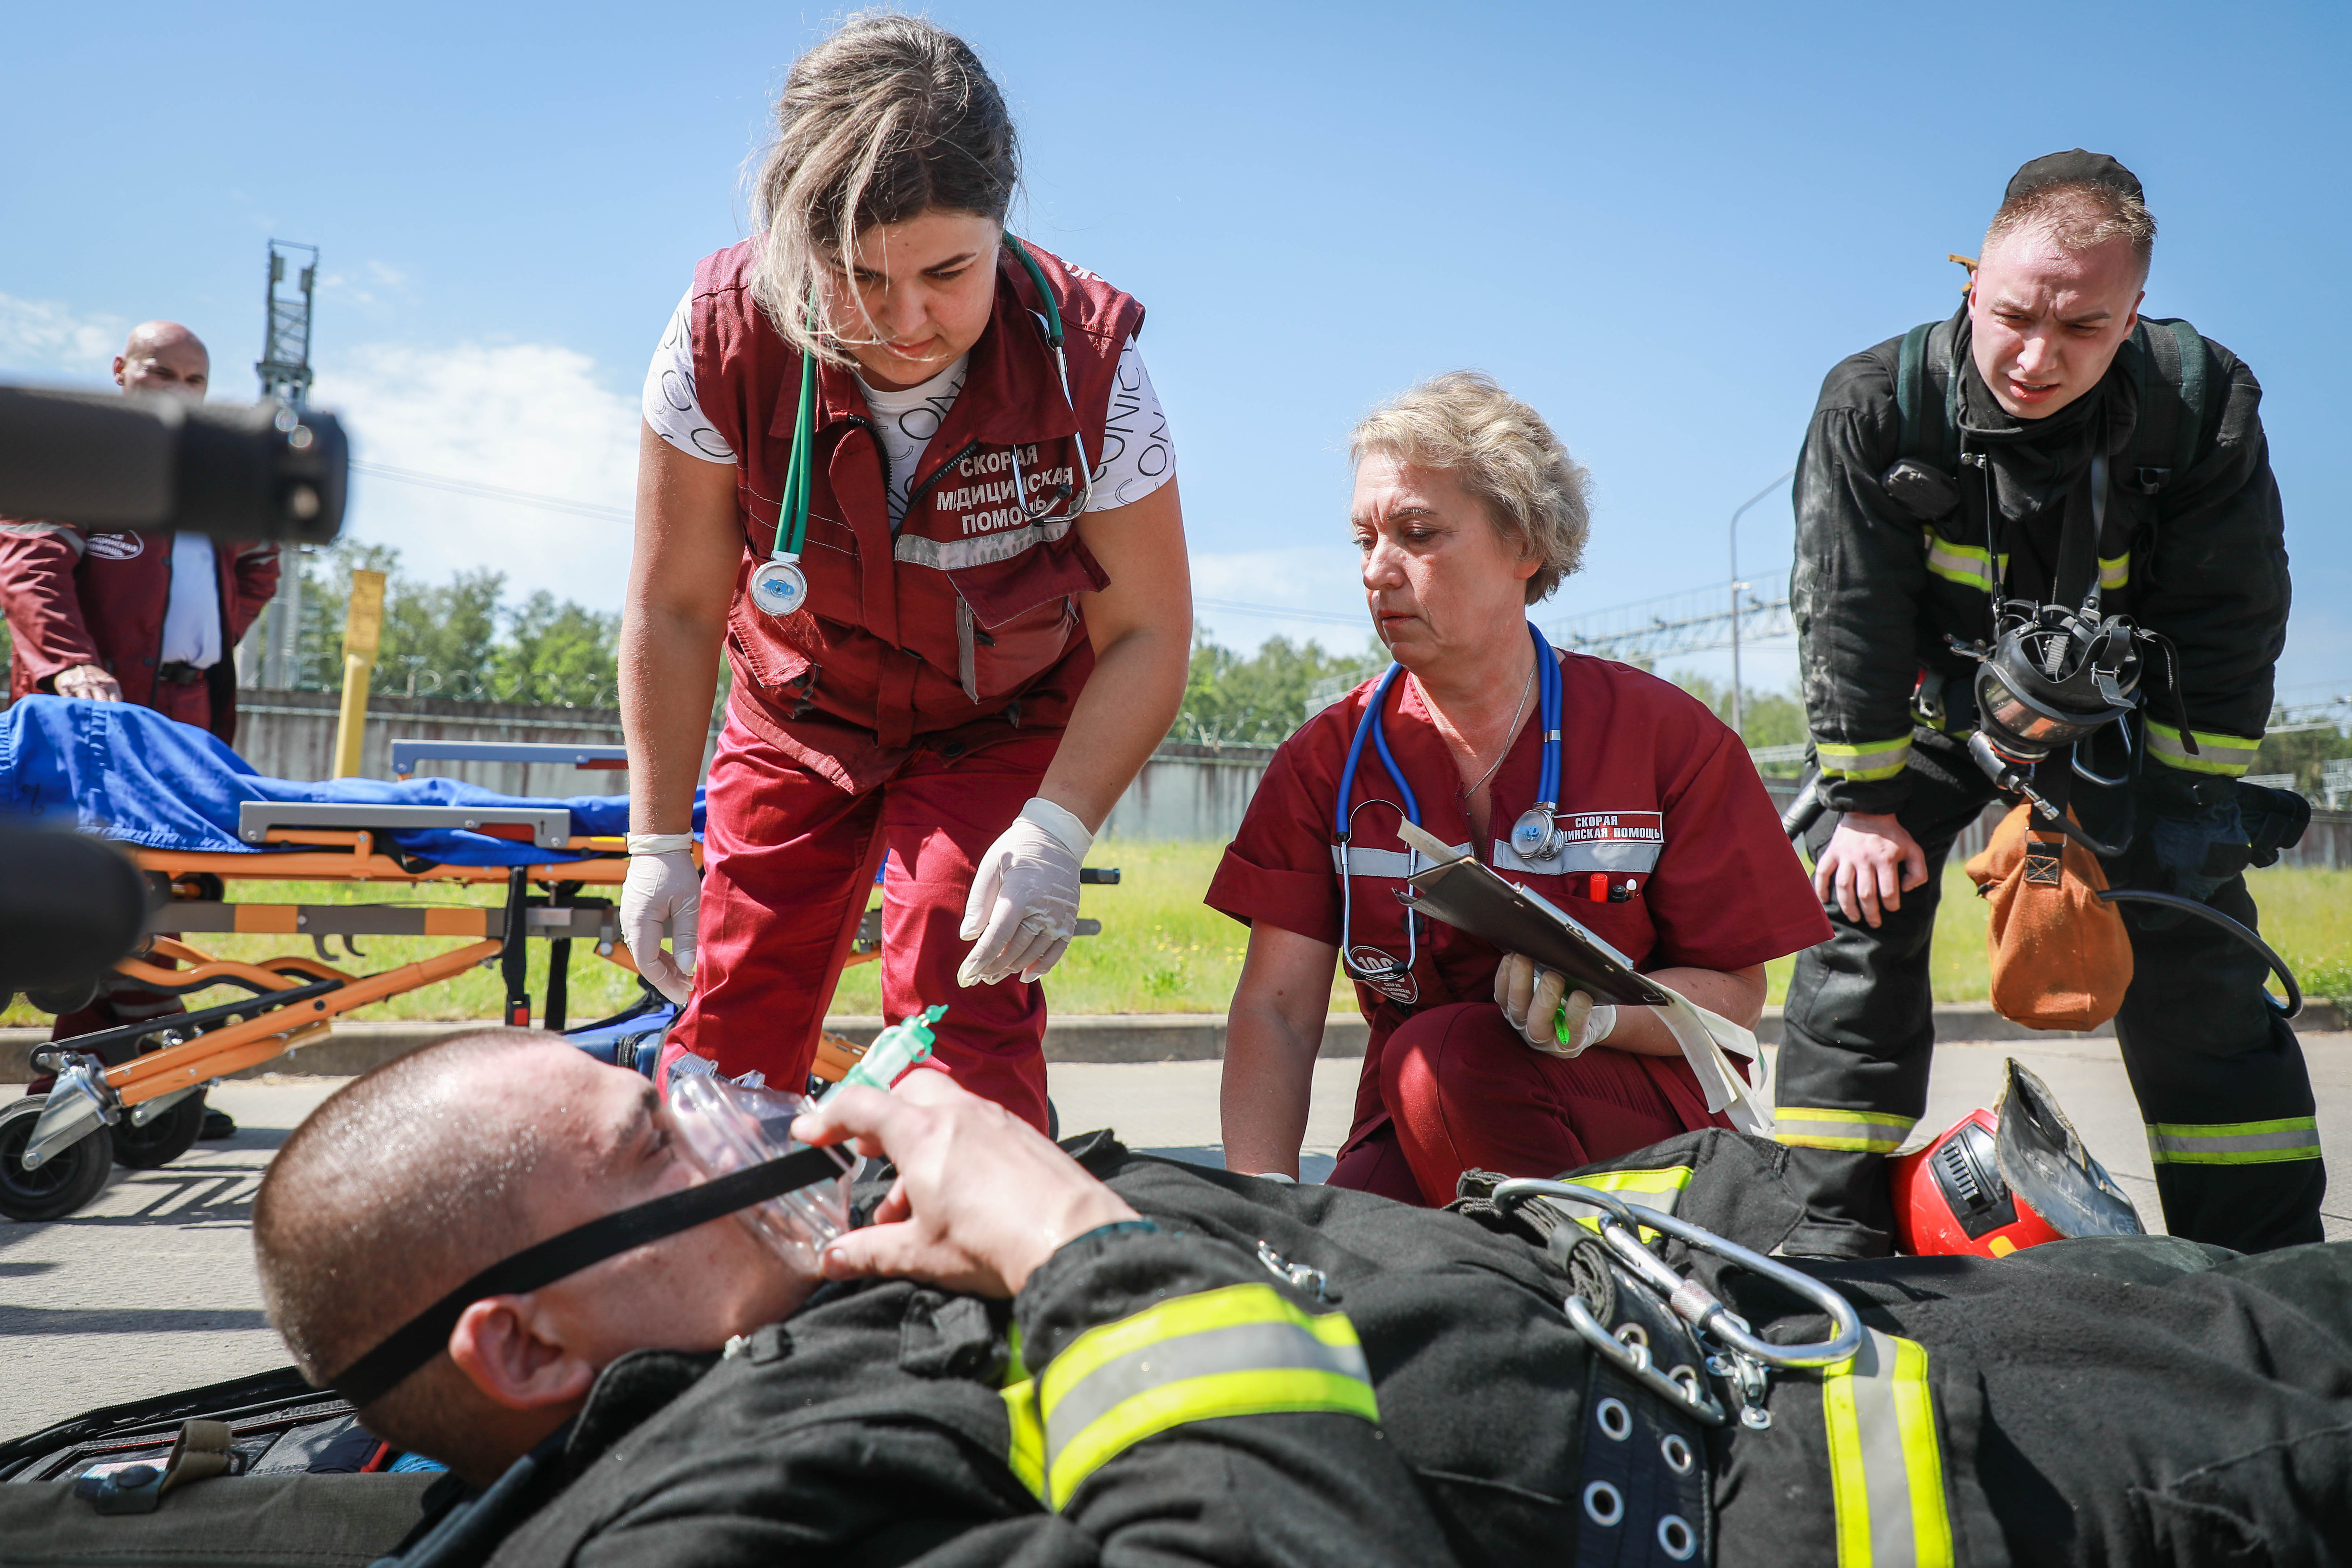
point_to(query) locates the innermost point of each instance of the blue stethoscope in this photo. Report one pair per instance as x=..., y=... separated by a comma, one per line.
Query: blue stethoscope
x=1536, y=835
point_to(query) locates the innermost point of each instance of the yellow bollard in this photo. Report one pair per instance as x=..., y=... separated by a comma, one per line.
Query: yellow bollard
x=362, y=635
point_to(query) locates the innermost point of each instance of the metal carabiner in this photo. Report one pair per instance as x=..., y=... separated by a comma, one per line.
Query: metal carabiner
x=1621, y=1225
x=1633, y=1361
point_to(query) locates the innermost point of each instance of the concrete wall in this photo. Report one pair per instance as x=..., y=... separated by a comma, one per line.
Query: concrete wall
x=1189, y=791
x=1186, y=791
x=291, y=735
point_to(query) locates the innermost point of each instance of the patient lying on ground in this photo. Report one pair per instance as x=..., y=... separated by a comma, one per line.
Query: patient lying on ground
x=1032, y=1356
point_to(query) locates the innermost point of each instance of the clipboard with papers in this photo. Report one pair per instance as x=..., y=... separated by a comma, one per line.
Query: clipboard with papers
x=1462, y=893
x=1455, y=889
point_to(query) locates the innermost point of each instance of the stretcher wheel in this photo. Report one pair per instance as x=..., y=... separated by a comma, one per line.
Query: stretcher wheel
x=66, y=999
x=162, y=1141
x=69, y=1179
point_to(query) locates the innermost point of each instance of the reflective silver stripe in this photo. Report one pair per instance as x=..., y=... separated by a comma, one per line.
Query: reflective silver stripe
x=1394, y=864
x=1880, y=760
x=986, y=549
x=2233, y=1142
x=1851, y=1132
x=1585, y=855
x=1887, y=1465
x=1966, y=564
x=2216, y=753
x=1243, y=1347
x=74, y=536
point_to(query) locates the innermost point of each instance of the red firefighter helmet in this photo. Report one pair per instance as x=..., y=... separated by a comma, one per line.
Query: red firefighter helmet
x=1999, y=1180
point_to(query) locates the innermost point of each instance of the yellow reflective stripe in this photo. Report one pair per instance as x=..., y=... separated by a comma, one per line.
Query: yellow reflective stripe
x=1243, y=1350
x=1027, y=1454
x=1879, y=760
x=2228, y=756
x=1016, y=1367
x=2233, y=1142
x=1201, y=1399
x=1970, y=566
x=1227, y=1308
x=1661, y=1189
x=1886, y=1463
x=1854, y=1132
x=2115, y=571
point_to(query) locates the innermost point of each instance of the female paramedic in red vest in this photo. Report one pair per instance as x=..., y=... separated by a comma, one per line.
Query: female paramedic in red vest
x=1657, y=834
x=909, y=469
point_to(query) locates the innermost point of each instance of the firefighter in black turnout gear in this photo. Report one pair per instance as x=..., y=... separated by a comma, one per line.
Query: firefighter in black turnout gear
x=1945, y=467
x=871, y=1427
x=1082, y=1357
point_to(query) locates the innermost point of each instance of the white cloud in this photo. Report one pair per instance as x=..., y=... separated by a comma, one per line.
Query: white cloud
x=537, y=417
x=1319, y=581
x=40, y=338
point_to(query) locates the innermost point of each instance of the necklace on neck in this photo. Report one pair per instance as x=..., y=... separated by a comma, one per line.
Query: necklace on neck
x=1511, y=734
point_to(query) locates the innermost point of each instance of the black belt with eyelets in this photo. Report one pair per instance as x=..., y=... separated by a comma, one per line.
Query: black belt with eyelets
x=1644, y=1495
x=180, y=674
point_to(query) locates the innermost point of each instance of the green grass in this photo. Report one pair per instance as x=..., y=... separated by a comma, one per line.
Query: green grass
x=1162, y=950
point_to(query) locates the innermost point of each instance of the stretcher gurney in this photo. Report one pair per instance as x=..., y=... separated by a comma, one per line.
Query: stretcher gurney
x=198, y=818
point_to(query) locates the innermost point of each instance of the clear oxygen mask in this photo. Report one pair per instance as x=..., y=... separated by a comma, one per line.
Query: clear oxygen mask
x=728, y=1127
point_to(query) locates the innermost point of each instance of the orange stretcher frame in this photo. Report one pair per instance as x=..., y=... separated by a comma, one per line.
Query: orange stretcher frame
x=325, y=855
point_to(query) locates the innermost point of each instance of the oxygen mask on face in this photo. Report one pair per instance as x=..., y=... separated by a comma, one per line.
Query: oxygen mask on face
x=728, y=1127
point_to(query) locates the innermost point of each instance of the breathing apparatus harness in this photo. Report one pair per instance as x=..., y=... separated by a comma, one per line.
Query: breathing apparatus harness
x=2053, y=678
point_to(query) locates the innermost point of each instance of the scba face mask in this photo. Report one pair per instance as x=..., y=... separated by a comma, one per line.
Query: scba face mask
x=726, y=1127
x=795, y=1198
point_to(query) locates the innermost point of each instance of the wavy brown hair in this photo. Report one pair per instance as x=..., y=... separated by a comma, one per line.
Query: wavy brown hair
x=886, y=120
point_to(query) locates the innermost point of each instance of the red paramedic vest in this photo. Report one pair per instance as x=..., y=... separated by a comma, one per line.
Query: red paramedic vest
x=964, y=628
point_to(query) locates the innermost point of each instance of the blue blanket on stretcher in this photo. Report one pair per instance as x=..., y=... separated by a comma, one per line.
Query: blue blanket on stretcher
x=128, y=772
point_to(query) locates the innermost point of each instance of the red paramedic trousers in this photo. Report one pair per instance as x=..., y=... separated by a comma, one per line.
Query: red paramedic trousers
x=1465, y=1092
x=789, y=860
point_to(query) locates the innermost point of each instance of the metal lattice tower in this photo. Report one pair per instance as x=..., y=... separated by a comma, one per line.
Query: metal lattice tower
x=285, y=371
x=285, y=363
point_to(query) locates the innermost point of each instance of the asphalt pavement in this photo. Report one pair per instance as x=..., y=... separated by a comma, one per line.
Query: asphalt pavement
x=150, y=1288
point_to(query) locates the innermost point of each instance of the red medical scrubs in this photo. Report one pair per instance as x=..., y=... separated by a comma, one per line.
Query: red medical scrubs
x=1674, y=856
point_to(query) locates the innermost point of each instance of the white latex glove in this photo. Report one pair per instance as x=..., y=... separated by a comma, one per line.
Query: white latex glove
x=1553, y=1019
x=1023, y=907
x=662, y=896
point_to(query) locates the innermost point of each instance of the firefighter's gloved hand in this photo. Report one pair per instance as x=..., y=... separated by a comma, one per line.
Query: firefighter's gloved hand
x=1551, y=1017
x=662, y=896
x=1023, y=907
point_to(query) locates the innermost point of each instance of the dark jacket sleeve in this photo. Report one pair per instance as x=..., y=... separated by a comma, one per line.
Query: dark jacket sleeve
x=1165, y=1453
x=255, y=575
x=2216, y=582
x=1854, y=591
x=1194, y=1464
x=37, y=590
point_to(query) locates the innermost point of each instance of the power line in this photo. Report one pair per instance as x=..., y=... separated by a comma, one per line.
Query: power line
x=493, y=492
x=1284, y=613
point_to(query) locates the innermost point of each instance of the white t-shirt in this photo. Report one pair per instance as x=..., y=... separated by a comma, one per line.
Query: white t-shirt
x=1137, y=458
x=192, y=628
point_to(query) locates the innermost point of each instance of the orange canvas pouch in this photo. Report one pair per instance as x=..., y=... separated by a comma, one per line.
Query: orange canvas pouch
x=2061, y=959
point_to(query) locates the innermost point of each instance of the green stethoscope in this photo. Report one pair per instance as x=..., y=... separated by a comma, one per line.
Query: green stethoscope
x=780, y=587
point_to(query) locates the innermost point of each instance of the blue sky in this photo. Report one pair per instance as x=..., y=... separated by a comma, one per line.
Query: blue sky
x=1659, y=224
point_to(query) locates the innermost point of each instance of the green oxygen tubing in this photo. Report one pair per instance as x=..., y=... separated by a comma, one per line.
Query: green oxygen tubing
x=780, y=587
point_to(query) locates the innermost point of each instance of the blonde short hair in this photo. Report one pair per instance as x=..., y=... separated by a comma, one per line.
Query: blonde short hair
x=1503, y=451
x=2077, y=215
